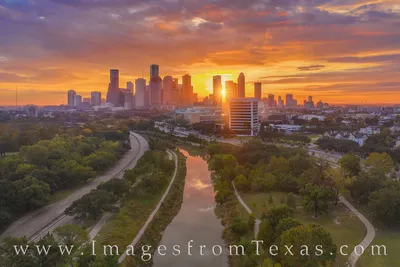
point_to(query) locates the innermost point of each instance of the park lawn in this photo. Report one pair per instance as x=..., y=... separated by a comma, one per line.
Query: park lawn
x=389, y=238
x=344, y=227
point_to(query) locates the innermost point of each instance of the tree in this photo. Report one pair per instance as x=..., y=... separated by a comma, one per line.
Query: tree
x=364, y=184
x=350, y=165
x=31, y=193
x=317, y=198
x=10, y=258
x=71, y=234
x=241, y=183
x=266, y=233
x=278, y=213
x=286, y=224
x=118, y=187
x=385, y=205
x=379, y=162
x=238, y=227
x=73, y=173
x=307, y=236
x=92, y=205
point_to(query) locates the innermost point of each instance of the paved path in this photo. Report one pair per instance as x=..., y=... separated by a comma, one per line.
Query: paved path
x=38, y=223
x=257, y=222
x=151, y=217
x=369, y=237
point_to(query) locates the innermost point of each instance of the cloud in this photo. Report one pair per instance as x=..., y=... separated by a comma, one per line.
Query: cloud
x=311, y=67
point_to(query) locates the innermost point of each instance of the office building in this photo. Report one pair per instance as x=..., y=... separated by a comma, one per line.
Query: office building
x=187, y=90
x=130, y=87
x=281, y=103
x=217, y=89
x=77, y=100
x=154, y=71
x=290, y=102
x=175, y=93
x=140, y=85
x=113, y=94
x=309, y=103
x=241, y=86
x=86, y=100
x=168, y=84
x=258, y=91
x=243, y=116
x=71, y=98
x=229, y=90
x=155, y=92
x=271, y=101
x=95, y=98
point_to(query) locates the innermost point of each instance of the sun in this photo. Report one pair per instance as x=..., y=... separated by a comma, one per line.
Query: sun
x=223, y=93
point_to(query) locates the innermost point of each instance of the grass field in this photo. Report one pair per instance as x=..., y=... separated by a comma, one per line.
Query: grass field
x=389, y=238
x=343, y=225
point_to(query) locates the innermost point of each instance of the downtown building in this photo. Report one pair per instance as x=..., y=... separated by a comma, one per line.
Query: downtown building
x=243, y=116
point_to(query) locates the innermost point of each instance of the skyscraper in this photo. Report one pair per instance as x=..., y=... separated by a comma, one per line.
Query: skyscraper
x=281, y=104
x=71, y=98
x=290, y=102
x=257, y=91
x=154, y=71
x=176, y=93
x=241, y=86
x=77, y=100
x=167, y=90
x=113, y=94
x=271, y=100
x=229, y=89
x=130, y=87
x=95, y=98
x=155, y=92
x=140, y=85
x=217, y=89
x=187, y=90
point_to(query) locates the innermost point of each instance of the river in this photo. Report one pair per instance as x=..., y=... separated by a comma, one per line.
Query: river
x=195, y=221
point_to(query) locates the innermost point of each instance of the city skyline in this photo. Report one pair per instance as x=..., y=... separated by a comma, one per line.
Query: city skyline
x=340, y=51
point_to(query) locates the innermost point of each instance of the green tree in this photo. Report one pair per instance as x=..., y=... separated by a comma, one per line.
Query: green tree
x=318, y=198
x=92, y=205
x=307, y=236
x=379, y=162
x=286, y=224
x=118, y=187
x=278, y=213
x=350, y=165
x=238, y=227
x=10, y=258
x=241, y=183
x=385, y=205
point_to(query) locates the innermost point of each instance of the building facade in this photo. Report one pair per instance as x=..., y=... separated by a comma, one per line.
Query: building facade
x=243, y=116
x=258, y=91
x=241, y=86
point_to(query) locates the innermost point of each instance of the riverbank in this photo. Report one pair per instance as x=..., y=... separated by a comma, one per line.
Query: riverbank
x=168, y=210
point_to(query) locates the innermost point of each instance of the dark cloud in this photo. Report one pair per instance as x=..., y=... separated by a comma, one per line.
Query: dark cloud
x=311, y=67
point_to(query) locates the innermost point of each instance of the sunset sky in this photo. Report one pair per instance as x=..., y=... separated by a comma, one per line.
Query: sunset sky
x=339, y=51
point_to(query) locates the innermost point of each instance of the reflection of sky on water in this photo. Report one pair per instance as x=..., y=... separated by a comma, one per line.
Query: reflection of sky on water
x=196, y=221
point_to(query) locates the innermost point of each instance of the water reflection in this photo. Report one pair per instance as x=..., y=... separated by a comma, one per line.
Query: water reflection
x=196, y=221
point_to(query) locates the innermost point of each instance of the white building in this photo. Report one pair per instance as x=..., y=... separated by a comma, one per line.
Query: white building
x=95, y=98
x=77, y=100
x=243, y=116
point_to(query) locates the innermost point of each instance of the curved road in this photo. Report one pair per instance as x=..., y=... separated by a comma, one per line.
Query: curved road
x=38, y=223
x=151, y=217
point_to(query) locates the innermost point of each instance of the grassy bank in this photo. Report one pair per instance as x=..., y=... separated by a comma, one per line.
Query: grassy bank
x=169, y=209
x=135, y=209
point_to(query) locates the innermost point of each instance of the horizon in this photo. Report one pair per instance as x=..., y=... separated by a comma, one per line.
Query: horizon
x=341, y=52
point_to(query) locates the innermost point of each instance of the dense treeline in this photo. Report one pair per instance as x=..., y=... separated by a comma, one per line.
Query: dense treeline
x=30, y=177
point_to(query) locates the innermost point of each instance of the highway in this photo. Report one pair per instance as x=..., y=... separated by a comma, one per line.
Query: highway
x=40, y=222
